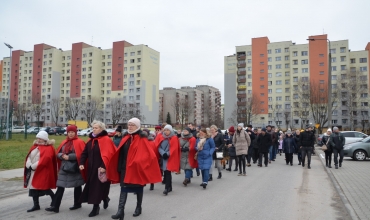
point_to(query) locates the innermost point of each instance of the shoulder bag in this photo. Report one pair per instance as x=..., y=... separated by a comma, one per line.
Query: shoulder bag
x=70, y=166
x=325, y=147
x=102, y=176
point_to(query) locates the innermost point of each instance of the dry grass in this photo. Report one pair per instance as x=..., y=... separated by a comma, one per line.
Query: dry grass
x=13, y=152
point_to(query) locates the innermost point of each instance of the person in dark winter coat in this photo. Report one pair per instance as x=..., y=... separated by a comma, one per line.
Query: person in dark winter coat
x=274, y=142
x=290, y=147
x=337, y=142
x=97, y=152
x=69, y=151
x=255, y=145
x=264, y=142
x=232, y=151
x=306, y=141
x=299, y=153
x=325, y=140
x=118, y=136
x=251, y=148
x=219, y=146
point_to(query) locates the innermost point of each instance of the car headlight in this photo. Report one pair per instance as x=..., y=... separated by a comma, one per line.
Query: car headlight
x=347, y=147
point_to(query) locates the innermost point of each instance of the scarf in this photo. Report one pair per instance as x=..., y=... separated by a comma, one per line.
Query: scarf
x=68, y=146
x=201, y=143
x=134, y=131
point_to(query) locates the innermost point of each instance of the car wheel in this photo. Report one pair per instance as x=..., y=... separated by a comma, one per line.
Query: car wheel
x=359, y=155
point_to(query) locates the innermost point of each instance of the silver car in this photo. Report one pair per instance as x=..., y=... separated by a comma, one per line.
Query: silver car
x=359, y=150
x=353, y=136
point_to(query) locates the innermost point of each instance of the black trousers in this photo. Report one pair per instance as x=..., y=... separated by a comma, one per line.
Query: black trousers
x=168, y=179
x=59, y=196
x=328, y=155
x=306, y=151
x=241, y=162
x=250, y=154
x=341, y=155
x=231, y=162
x=266, y=156
x=289, y=158
x=255, y=155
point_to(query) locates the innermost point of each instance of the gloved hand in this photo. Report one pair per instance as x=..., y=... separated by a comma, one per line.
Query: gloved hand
x=165, y=156
x=185, y=149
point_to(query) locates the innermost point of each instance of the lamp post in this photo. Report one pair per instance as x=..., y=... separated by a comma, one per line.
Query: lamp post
x=10, y=78
x=329, y=82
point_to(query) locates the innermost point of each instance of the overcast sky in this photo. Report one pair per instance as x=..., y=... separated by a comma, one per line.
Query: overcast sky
x=192, y=36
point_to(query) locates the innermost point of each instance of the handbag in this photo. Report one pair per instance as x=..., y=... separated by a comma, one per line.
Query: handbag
x=27, y=173
x=219, y=155
x=70, y=166
x=324, y=147
x=102, y=176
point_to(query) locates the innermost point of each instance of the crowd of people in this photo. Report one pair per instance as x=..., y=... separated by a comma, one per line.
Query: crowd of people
x=139, y=157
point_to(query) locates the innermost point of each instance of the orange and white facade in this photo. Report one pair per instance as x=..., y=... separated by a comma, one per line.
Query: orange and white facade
x=125, y=71
x=270, y=71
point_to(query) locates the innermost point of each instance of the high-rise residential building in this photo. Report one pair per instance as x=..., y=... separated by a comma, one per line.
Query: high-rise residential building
x=200, y=105
x=84, y=83
x=286, y=85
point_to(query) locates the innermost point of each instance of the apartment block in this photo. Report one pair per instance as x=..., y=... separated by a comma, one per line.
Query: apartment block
x=264, y=82
x=200, y=105
x=125, y=72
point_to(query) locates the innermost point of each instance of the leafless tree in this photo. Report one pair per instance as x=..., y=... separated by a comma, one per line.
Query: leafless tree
x=287, y=116
x=55, y=105
x=277, y=112
x=36, y=108
x=301, y=102
x=19, y=113
x=134, y=111
x=233, y=119
x=253, y=107
x=181, y=107
x=91, y=109
x=72, y=108
x=117, y=110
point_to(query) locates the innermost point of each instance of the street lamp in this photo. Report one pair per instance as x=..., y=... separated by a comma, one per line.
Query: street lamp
x=329, y=82
x=10, y=78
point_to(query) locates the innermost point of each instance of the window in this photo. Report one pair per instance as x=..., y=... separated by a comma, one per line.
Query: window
x=269, y=59
x=342, y=59
x=269, y=51
x=321, y=72
x=333, y=51
x=249, y=53
x=132, y=54
x=249, y=76
x=304, y=61
x=262, y=55
x=333, y=68
x=295, y=70
x=287, y=65
x=270, y=75
x=286, y=58
x=249, y=61
x=364, y=104
x=304, y=70
x=353, y=60
x=334, y=77
x=343, y=67
x=363, y=60
x=278, y=82
x=270, y=91
x=278, y=50
x=287, y=74
x=132, y=75
x=363, y=69
x=131, y=83
x=295, y=79
x=269, y=67
x=132, y=68
x=270, y=99
x=342, y=49
x=279, y=98
x=278, y=66
x=262, y=78
x=279, y=74
x=287, y=82
x=321, y=64
x=125, y=54
x=138, y=97
x=295, y=53
x=305, y=79
x=304, y=53
x=279, y=90
x=321, y=81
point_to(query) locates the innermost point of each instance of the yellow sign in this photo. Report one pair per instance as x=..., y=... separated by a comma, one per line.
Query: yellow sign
x=317, y=125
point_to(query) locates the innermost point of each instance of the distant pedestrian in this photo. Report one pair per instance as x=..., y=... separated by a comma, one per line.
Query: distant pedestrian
x=325, y=140
x=232, y=151
x=337, y=142
x=274, y=137
x=187, y=146
x=280, y=149
x=41, y=167
x=264, y=142
x=194, y=131
x=250, y=148
x=254, y=144
x=241, y=140
x=290, y=147
x=69, y=153
x=219, y=146
x=306, y=141
x=205, y=147
x=117, y=136
x=299, y=150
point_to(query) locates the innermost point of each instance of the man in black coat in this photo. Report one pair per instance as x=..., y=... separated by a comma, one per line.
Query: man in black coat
x=299, y=151
x=255, y=145
x=250, y=148
x=306, y=141
x=264, y=142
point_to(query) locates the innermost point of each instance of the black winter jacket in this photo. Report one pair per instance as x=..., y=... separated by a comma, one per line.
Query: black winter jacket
x=306, y=139
x=264, y=142
x=289, y=145
x=232, y=150
x=219, y=143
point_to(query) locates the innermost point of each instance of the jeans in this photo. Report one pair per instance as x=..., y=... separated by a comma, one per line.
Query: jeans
x=341, y=154
x=265, y=155
x=306, y=151
x=272, y=152
x=328, y=155
x=299, y=156
x=188, y=174
x=205, y=176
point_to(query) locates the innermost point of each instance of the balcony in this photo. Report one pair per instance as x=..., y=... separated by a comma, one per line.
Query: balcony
x=242, y=111
x=241, y=103
x=241, y=65
x=242, y=73
x=242, y=80
x=242, y=87
x=241, y=96
x=241, y=57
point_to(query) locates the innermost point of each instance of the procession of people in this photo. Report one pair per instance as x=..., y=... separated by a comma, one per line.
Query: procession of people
x=139, y=157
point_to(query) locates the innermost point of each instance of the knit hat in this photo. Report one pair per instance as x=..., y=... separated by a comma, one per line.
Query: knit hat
x=158, y=127
x=308, y=126
x=335, y=129
x=169, y=127
x=135, y=121
x=188, y=129
x=329, y=130
x=289, y=132
x=43, y=135
x=119, y=129
x=264, y=129
x=146, y=130
x=241, y=125
x=232, y=129
x=249, y=126
x=72, y=128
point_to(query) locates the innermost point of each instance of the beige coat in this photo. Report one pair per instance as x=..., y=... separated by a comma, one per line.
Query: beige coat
x=32, y=161
x=241, y=142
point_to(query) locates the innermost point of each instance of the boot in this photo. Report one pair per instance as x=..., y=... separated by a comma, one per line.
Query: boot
x=151, y=186
x=121, y=206
x=186, y=181
x=340, y=164
x=165, y=192
x=219, y=175
x=138, y=205
x=336, y=166
x=224, y=166
x=198, y=173
x=210, y=177
x=309, y=166
x=228, y=169
x=36, y=204
x=95, y=211
x=106, y=203
x=75, y=206
x=327, y=164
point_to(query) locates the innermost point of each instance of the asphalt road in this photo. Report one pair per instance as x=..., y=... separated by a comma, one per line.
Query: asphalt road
x=274, y=192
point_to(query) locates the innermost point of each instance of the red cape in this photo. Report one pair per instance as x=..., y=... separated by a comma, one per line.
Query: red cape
x=107, y=150
x=45, y=176
x=142, y=163
x=173, y=163
x=192, y=151
x=79, y=146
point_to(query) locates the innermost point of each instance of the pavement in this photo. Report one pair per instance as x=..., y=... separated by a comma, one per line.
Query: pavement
x=274, y=192
x=10, y=183
x=352, y=183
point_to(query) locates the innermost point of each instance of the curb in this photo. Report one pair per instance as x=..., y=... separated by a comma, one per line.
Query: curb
x=337, y=187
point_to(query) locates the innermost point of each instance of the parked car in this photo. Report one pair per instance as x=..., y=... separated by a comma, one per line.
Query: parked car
x=358, y=150
x=84, y=132
x=35, y=130
x=353, y=136
x=111, y=132
x=18, y=129
x=57, y=130
x=319, y=138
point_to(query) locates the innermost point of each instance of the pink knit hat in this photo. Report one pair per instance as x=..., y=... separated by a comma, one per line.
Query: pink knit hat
x=135, y=121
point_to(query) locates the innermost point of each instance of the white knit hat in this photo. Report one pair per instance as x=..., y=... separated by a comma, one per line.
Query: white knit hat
x=43, y=135
x=169, y=127
x=135, y=121
x=241, y=125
